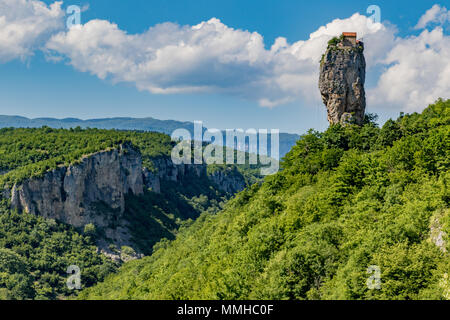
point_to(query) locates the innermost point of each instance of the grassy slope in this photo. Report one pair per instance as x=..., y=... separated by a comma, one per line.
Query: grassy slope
x=347, y=199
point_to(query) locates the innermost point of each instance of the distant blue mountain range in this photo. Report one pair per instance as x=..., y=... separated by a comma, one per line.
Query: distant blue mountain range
x=287, y=140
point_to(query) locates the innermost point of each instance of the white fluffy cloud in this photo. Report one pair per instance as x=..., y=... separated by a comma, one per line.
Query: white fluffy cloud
x=24, y=24
x=212, y=57
x=418, y=72
x=437, y=14
x=417, y=68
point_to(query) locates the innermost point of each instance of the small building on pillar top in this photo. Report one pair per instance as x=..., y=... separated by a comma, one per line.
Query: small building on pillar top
x=349, y=39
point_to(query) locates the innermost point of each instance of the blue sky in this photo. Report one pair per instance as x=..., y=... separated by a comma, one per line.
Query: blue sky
x=34, y=85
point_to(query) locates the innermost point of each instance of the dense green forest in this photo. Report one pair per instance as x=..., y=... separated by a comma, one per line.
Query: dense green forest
x=31, y=152
x=153, y=216
x=287, y=140
x=347, y=199
x=35, y=252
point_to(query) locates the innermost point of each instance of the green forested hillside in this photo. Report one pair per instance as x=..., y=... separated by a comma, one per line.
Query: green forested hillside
x=347, y=199
x=28, y=153
x=35, y=252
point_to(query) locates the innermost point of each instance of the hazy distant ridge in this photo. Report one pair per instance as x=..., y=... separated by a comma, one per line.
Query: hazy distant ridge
x=287, y=140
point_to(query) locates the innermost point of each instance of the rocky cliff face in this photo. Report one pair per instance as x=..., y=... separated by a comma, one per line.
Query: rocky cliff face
x=76, y=194
x=341, y=83
x=93, y=192
x=165, y=169
x=437, y=234
x=230, y=181
x=73, y=194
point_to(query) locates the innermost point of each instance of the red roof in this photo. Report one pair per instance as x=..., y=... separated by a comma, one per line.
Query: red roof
x=349, y=34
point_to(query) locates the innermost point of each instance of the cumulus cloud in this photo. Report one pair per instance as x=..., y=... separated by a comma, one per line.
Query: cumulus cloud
x=437, y=15
x=213, y=57
x=418, y=72
x=24, y=25
x=210, y=57
x=417, y=68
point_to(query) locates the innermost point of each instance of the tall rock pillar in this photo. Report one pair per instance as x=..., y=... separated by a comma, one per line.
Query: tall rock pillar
x=342, y=77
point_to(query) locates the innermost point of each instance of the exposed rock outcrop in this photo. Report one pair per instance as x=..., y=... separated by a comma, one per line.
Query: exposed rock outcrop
x=165, y=169
x=73, y=194
x=437, y=234
x=76, y=194
x=341, y=82
x=93, y=192
x=230, y=181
